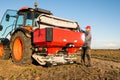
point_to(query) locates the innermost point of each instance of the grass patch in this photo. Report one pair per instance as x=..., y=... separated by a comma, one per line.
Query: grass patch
x=112, y=55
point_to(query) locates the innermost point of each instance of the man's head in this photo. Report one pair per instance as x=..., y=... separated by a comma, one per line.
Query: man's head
x=88, y=28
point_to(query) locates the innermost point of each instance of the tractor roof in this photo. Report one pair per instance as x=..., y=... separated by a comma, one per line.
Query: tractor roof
x=23, y=9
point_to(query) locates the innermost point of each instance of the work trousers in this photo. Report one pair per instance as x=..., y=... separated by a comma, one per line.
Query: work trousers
x=86, y=53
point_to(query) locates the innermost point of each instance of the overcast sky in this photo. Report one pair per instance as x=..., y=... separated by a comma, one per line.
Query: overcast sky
x=102, y=15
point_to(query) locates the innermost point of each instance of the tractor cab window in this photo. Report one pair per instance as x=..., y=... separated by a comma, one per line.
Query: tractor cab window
x=24, y=19
x=8, y=22
x=29, y=19
x=36, y=14
x=20, y=21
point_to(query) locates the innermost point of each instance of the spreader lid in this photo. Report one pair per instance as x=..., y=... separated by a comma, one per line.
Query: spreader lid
x=56, y=21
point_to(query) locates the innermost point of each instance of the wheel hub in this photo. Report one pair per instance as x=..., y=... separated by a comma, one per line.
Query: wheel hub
x=18, y=49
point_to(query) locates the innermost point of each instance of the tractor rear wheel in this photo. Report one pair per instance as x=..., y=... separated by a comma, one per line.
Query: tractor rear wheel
x=21, y=49
x=4, y=50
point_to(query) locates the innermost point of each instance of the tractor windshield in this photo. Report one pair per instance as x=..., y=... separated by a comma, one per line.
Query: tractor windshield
x=8, y=22
x=27, y=18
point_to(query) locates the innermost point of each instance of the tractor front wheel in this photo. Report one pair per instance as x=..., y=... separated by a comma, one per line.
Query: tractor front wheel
x=21, y=49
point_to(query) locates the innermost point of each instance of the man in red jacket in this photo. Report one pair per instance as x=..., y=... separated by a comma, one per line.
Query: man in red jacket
x=87, y=47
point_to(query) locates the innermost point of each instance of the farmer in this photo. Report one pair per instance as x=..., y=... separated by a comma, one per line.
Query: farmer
x=87, y=47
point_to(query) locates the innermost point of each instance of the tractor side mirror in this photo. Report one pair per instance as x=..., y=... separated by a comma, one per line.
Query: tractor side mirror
x=7, y=17
x=1, y=27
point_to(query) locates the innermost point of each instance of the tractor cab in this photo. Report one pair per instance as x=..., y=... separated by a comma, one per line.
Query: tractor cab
x=28, y=16
x=24, y=17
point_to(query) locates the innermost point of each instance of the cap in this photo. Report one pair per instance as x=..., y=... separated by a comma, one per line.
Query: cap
x=88, y=27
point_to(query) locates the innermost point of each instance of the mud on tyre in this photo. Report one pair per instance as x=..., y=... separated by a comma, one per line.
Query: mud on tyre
x=21, y=49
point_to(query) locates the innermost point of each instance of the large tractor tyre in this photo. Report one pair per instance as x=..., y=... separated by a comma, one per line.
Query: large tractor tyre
x=21, y=49
x=4, y=49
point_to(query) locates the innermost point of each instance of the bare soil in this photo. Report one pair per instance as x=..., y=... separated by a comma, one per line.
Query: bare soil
x=102, y=69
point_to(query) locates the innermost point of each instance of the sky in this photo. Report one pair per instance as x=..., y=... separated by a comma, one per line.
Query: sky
x=102, y=15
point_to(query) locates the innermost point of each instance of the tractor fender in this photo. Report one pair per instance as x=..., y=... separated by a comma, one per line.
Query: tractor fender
x=26, y=32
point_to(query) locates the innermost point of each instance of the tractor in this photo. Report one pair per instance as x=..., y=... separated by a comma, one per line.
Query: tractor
x=35, y=34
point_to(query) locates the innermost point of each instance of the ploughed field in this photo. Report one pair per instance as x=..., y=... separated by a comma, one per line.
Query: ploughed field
x=105, y=66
